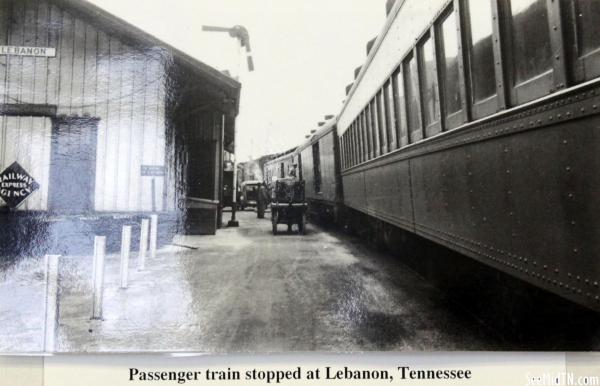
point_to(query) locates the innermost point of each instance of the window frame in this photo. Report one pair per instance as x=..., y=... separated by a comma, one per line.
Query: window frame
x=452, y=120
x=415, y=79
x=367, y=112
x=365, y=144
x=496, y=102
x=374, y=128
x=400, y=107
x=342, y=151
x=361, y=139
x=351, y=143
x=584, y=67
x=346, y=156
x=352, y=147
x=299, y=162
x=434, y=127
x=544, y=83
x=381, y=123
x=390, y=114
x=355, y=146
x=347, y=148
x=317, y=182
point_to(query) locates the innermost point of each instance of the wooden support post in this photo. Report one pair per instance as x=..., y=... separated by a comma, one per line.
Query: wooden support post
x=99, y=254
x=125, y=249
x=153, y=235
x=143, y=244
x=51, y=311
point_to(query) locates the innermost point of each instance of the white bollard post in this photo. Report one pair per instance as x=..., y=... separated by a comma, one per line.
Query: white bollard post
x=51, y=311
x=125, y=249
x=153, y=235
x=99, y=253
x=143, y=244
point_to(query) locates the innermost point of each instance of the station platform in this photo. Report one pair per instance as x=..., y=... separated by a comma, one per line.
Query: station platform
x=242, y=290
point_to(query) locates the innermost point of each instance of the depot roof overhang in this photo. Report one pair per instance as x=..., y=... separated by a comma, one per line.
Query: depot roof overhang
x=141, y=39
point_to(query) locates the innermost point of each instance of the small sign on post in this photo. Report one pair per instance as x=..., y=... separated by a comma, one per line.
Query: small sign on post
x=16, y=185
x=152, y=170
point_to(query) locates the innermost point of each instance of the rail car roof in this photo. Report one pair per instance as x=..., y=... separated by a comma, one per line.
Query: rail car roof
x=284, y=155
x=323, y=130
x=373, y=51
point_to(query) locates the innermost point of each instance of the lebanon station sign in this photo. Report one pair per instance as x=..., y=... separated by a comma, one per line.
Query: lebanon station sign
x=16, y=185
x=48, y=52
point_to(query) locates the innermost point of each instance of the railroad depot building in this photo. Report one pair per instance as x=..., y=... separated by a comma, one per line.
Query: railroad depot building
x=101, y=123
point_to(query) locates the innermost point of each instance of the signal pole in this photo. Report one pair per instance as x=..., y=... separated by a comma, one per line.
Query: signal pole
x=241, y=33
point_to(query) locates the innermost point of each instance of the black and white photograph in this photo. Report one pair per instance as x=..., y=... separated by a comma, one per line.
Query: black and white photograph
x=278, y=176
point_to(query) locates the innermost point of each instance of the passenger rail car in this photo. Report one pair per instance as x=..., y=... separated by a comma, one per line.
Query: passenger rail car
x=474, y=123
x=321, y=173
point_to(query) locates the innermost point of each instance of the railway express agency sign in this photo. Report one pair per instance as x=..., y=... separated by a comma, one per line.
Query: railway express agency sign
x=16, y=185
x=47, y=52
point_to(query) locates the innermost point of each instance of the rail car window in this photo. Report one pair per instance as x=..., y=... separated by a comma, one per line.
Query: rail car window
x=532, y=66
x=411, y=85
x=530, y=32
x=365, y=132
x=429, y=84
x=369, y=123
x=358, y=140
x=361, y=138
x=357, y=143
x=350, y=153
x=450, y=70
x=483, y=76
x=586, y=40
x=342, y=152
x=351, y=137
x=354, y=145
x=347, y=141
x=374, y=127
x=347, y=149
x=316, y=167
x=588, y=28
x=383, y=140
x=390, y=115
x=398, y=86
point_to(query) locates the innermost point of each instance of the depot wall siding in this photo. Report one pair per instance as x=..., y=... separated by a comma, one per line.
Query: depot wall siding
x=95, y=74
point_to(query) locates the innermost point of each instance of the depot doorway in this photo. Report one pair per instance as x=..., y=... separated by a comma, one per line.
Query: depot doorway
x=73, y=165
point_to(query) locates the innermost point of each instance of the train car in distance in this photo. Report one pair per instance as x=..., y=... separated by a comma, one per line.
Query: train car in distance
x=474, y=123
x=280, y=166
x=320, y=167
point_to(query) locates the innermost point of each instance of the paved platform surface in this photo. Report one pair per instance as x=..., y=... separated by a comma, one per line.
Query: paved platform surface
x=243, y=290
